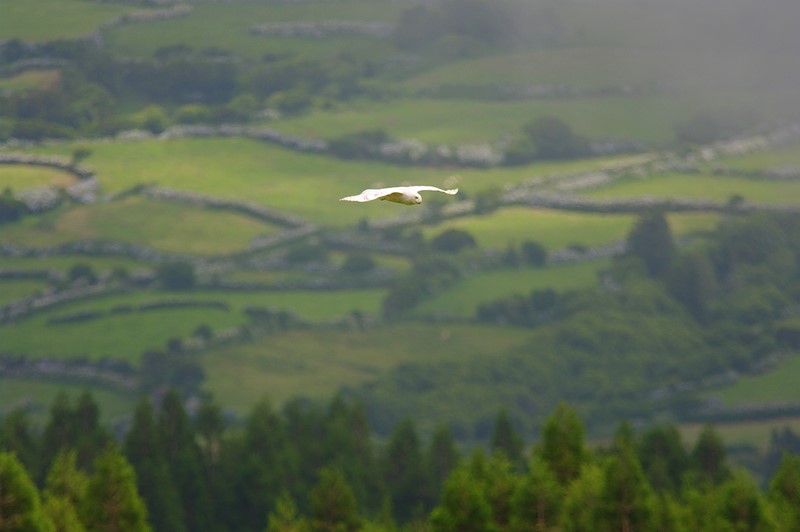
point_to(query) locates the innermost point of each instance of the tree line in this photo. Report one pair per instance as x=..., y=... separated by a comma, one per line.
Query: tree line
x=316, y=467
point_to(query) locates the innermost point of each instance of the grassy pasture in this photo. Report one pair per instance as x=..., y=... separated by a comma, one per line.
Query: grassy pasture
x=648, y=119
x=559, y=229
x=778, y=385
x=233, y=168
x=718, y=188
x=30, y=80
x=64, y=263
x=11, y=290
x=19, y=177
x=226, y=26
x=763, y=160
x=127, y=335
x=162, y=225
x=463, y=298
x=317, y=363
x=37, y=397
x=65, y=18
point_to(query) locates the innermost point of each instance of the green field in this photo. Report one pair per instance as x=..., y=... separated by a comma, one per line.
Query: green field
x=720, y=188
x=127, y=335
x=161, y=225
x=760, y=161
x=462, y=299
x=559, y=229
x=19, y=177
x=317, y=363
x=19, y=289
x=30, y=80
x=779, y=385
x=65, y=18
x=242, y=169
x=226, y=26
x=648, y=119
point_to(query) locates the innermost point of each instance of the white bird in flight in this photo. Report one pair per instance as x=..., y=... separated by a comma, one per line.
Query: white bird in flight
x=404, y=195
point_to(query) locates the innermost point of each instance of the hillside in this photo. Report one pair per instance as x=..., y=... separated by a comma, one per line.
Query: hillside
x=171, y=216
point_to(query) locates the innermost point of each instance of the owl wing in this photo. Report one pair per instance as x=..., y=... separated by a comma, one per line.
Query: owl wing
x=435, y=189
x=374, y=193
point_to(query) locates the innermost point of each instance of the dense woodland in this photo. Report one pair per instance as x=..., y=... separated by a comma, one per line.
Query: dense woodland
x=309, y=467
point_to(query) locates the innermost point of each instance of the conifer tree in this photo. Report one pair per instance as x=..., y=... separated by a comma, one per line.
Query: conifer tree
x=184, y=462
x=264, y=466
x=20, y=505
x=441, y=458
x=16, y=437
x=112, y=501
x=65, y=492
x=505, y=439
x=709, y=457
x=784, y=492
x=536, y=504
x=562, y=447
x=464, y=506
x=404, y=473
x=626, y=500
x=333, y=503
x=144, y=448
x=651, y=241
x=581, y=499
x=742, y=506
x=663, y=457
x=285, y=517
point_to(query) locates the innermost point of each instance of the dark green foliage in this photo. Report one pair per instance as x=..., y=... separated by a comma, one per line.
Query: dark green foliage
x=333, y=503
x=709, y=457
x=506, y=439
x=784, y=491
x=562, y=448
x=358, y=263
x=546, y=138
x=404, y=473
x=536, y=504
x=144, y=447
x=453, y=241
x=627, y=500
x=82, y=272
x=112, y=500
x=176, y=275
x=75, y=428
x=663, y=457
x=20, y=504
x=11, y=209
x=651, y=241
x=359, y=145
x=533, y=253
x=711, y=125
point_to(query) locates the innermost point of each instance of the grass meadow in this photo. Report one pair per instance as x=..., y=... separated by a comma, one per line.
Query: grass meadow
x=560, y=229
x=648, y=119
x=65, y=18
x=137, y=220
x=226, y=26
x=11, y=290
x=19, y=177
x=317, y=363
x=462, y=299
x=719, y=188
x=126, y=335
